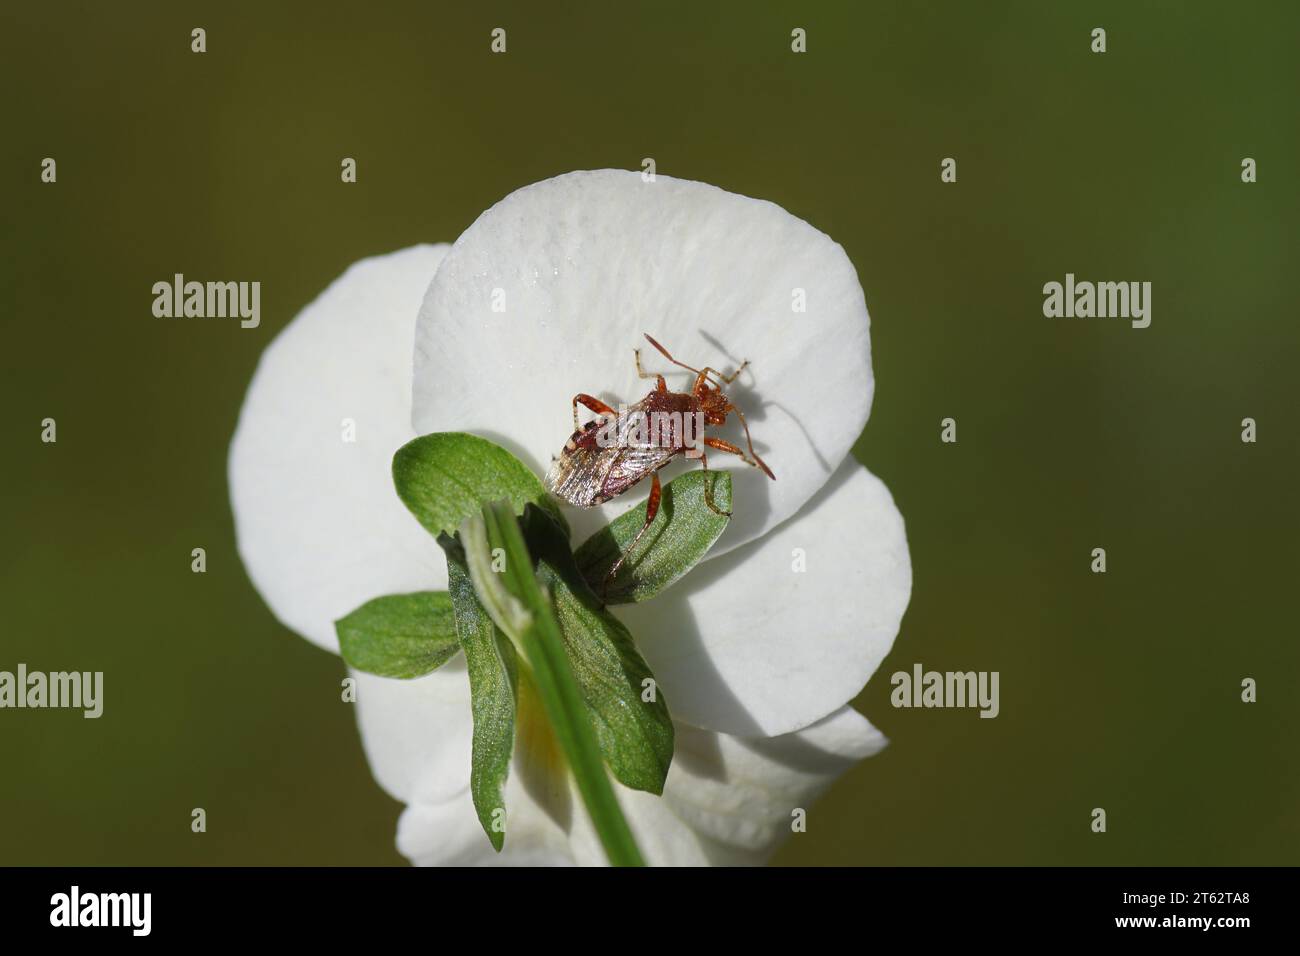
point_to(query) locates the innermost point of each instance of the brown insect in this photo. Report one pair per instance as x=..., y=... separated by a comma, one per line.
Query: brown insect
x=607, y=456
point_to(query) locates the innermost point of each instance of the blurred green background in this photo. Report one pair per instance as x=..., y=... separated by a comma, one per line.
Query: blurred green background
x=1118, y=690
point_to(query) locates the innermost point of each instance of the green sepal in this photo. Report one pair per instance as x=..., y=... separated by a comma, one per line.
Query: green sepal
x=493, y=682
x=627, y=709
x=399, y=635
x=532, y=625
x=680, y=536
x=445, y=477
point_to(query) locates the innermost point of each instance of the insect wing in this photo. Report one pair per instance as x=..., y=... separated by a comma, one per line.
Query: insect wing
x=578, y=474
x=631, y=466
x=600, y=462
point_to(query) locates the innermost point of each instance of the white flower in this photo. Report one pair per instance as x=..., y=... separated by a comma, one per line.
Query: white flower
x=545, y=296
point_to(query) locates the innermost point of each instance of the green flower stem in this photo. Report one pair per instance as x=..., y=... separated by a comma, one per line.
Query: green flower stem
x=528, y=617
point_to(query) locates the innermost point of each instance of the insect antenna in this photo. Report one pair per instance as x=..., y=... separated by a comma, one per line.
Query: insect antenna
x=690, y=368
x=663, y=351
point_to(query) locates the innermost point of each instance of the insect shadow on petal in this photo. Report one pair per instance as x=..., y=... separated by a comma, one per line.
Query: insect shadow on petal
x=616, y=450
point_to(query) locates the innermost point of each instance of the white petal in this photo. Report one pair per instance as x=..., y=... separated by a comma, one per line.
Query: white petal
x=738, y=796
x=418, y=736
x=319, y=527
x=728, y=800
x=583, y=264
x=448, y=833
x=417, y=733
x=747, y=645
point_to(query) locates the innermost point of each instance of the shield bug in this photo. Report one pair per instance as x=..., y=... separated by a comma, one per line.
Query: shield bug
x=607, y=456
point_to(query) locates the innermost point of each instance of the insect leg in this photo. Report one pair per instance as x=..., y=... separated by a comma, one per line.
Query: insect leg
x=728, y=379
x=595, y=404
x=642, y=373
x=749, y=441
x=708, y=489
x=651, y=509
x=727, y=446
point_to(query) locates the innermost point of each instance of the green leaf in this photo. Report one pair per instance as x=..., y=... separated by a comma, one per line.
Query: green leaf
x=542, y=644
x=446, y=477
x=679, y=537
x=493, y=686
x=401, y=635
x=635, y=734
